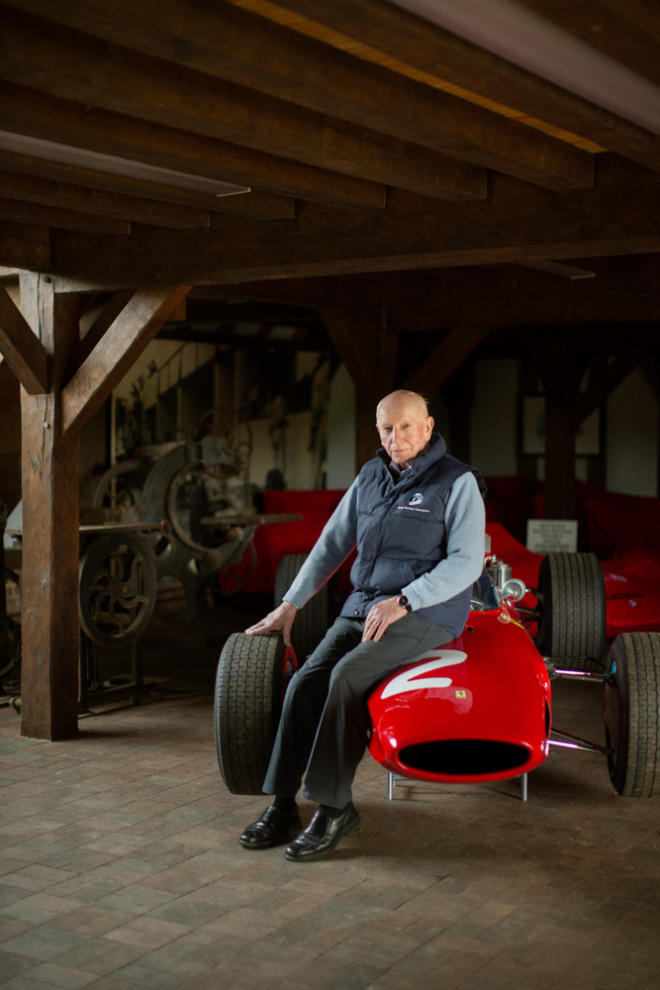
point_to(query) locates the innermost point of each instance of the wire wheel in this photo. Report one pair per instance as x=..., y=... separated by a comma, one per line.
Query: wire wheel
x=631, y=710
x=117, y=589
x=571, y=597
x=249, y=689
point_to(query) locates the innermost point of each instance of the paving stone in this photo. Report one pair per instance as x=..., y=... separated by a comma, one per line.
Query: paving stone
x=121, y=869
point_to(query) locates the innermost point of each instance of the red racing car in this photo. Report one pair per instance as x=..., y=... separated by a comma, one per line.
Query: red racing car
x=478, y=708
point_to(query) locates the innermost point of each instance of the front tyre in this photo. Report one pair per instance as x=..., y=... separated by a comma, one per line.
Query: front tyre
x=249, y=689
x=631, y=710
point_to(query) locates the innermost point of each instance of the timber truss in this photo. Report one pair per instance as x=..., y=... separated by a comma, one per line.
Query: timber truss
x=411, y=184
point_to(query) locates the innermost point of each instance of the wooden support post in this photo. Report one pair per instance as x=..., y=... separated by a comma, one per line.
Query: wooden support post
x=49, y=692
x=368, y=346
x=49, y=585
x=62, y=386
x=557, y=366
x=559, y=459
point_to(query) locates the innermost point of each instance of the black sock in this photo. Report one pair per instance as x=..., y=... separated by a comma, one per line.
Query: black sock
x=285, y=803
x=332, y=812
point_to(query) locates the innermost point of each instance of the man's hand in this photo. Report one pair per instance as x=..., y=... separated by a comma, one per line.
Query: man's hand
x=380, y=616
x=280, y=620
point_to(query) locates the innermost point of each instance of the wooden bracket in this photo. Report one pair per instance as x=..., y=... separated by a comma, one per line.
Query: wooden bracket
x=114, y=354
x=21, y=348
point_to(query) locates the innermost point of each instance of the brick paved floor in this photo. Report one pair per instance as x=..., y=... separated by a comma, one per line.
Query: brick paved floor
x=120, y=867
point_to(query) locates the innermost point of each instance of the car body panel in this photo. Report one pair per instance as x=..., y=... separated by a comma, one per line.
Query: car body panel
x=475, y=709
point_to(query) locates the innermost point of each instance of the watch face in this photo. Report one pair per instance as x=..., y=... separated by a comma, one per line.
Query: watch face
x=403, y=601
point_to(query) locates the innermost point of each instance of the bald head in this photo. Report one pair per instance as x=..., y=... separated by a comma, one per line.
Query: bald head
x=404, y=395
x=404, y=425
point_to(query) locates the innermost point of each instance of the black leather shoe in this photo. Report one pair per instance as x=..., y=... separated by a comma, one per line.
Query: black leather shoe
x=273, y=828
x=322, y=834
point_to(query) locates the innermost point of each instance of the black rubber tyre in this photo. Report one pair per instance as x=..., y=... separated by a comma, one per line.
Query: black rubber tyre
x=571, y=629
x=631, y=709
x=249, y=689
x=311, y=622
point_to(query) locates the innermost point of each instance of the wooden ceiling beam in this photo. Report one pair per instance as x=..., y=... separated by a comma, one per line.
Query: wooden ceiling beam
x=430, y=49
x=624, y=290
x=24, y=246
x=626, y=30
x=66, y=196
x=74, y=66
x=643, y=14
x=21, y=348
x=234, y=45
x=27, y=111
x=261, y=205
x=507, y=297
x=619, y=216
x=61, y=219
x=306, y=292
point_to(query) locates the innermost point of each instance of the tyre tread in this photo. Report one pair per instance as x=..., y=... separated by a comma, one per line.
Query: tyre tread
x=247, y=708
x=573, y=625
x=637, y=669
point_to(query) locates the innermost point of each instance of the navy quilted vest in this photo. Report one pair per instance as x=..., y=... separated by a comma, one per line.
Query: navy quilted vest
x=401, y=532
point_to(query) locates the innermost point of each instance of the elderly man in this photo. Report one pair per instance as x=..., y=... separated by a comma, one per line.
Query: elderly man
x=416, y=516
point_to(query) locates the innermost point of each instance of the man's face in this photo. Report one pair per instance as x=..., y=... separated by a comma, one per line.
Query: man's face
x=404, y=428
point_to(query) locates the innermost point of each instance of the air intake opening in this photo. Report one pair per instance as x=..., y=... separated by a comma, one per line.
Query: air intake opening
x=464, y=757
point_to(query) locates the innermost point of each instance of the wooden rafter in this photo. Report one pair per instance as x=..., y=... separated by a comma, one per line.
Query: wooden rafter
x=24, y=211
x=114, y=354
x=429, y=49
x=69, y=196
x=600, y=385
x=38, y=114
x=77, y=67
x=626, y=30
x=367, y=346
x=21, y=348
x=445, y=359
x=103, y=322
x=264, y=205
x=619, y=216
x=230, y=45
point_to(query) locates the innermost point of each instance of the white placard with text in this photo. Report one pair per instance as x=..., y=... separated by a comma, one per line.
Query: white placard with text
x=552, y=535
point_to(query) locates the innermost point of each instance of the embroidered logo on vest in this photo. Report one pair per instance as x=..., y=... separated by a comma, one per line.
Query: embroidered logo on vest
x=416, y=499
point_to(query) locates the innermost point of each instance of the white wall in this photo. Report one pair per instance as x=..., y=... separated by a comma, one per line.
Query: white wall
x=493, y=435
x=296, y=461
x=632, y=437
x=341, y=431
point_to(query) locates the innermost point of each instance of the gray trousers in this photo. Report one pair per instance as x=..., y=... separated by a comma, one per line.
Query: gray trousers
x=325, y=724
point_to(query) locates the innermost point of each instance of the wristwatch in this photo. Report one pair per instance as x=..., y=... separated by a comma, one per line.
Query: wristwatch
x=404, y=603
